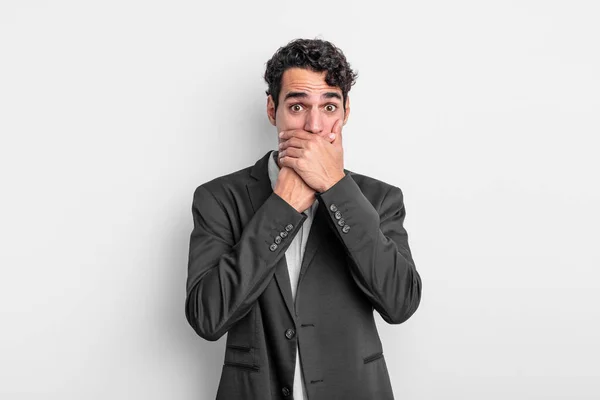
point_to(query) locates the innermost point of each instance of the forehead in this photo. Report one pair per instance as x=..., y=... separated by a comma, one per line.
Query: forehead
x=305, y=80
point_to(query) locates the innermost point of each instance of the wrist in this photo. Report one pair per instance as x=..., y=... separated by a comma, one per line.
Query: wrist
x=332, y=182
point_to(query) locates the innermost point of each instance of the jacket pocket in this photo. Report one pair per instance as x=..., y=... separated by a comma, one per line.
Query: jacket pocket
x=373, y=357
x=240, y=356
x=243, y=366
x=239, y=348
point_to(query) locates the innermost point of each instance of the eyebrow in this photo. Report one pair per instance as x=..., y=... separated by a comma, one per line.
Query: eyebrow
x=302, y=95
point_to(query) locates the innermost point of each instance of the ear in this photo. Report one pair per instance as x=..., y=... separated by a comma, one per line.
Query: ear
x=271, y=110
x=347, y=114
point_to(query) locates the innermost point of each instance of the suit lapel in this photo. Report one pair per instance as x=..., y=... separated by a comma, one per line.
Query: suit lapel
x=315, y=238
x=259, y=190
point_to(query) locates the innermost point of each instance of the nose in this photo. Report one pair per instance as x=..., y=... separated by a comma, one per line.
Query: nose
x=313, y=123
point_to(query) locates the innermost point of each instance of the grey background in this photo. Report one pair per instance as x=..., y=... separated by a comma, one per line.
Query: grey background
x=484, y=113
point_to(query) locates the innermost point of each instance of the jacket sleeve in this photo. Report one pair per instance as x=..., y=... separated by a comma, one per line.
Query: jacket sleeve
x=376, y=243
x=225, y=278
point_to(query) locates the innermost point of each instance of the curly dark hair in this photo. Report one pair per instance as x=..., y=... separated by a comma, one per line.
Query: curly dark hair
x=314, y=54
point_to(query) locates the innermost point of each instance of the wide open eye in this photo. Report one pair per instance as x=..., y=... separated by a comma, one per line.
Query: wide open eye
x=331, y=107
x=296, y=107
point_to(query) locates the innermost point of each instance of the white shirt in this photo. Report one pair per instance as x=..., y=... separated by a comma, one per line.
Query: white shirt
x=293, y=257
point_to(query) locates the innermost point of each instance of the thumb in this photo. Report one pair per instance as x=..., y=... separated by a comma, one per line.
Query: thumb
x=337, y=131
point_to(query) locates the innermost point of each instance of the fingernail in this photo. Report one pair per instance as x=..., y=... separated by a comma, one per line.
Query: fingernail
x=280, y=134
x=331, y=135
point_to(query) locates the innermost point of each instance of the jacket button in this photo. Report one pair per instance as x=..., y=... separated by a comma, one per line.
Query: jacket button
x=277, y=239
x=283, y=234
x=333, y=208
x=346, y=228
x=273, y=247
x=341, y=222
x=338, y=215
x=289, y=227
x=286, y=391
x=290, y=333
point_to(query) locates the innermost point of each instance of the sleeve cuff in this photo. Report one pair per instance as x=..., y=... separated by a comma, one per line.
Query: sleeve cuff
x=281, y=222
x=351, y=214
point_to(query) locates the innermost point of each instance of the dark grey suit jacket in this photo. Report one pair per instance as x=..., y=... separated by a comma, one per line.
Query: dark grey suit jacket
x=357, y=259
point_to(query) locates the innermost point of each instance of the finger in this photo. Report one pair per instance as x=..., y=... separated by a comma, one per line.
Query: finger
x=291, y=152
x=284, y=135
x=287, y=161
x=293, y=142
x=336, y=131
x=337, y=127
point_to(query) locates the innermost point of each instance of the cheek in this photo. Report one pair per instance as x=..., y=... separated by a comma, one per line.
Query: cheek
x=286, y=121
x=327, y=128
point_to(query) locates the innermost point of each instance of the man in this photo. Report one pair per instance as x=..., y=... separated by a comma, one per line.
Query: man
x=291, y=256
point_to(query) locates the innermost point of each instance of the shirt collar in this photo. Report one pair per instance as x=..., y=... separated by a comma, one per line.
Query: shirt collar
x=273, y=168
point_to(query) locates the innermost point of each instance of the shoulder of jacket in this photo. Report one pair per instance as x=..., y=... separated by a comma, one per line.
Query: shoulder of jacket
x=221, y=184
x=369, y=184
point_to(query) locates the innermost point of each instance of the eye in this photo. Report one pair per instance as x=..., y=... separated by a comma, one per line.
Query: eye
x=331, y=107
x=296, y=107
